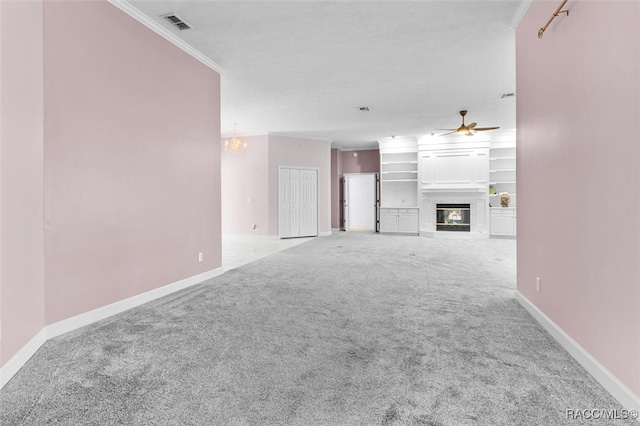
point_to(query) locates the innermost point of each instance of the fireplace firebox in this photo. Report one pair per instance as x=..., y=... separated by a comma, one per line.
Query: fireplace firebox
x=453, y=217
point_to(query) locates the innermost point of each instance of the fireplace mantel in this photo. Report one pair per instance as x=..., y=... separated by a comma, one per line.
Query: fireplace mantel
x=454, y=172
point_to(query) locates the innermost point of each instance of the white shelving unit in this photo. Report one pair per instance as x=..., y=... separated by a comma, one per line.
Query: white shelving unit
x=399, y=185
x=502, y=174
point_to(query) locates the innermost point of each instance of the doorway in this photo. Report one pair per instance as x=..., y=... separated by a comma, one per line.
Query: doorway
x=361, y=202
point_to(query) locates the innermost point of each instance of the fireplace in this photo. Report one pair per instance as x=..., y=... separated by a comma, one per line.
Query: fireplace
x=453, y=217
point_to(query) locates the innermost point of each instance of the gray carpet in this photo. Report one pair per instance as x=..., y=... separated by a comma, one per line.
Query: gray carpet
x=352, y=329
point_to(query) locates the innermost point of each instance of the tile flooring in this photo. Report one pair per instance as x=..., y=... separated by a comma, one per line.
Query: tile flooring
x=238, y=250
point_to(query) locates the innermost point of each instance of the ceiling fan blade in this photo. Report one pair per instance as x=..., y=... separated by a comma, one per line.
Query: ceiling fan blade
x=481, y=129
x=472, y=125
x=451, y=130
x=449, y=133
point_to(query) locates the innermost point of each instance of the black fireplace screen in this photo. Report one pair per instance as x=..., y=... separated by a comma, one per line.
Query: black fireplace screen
x=453, y=217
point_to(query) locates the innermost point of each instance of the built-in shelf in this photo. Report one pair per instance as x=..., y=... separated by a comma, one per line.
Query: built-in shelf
x=398, y=172
x=502, y=176
x=384, y=163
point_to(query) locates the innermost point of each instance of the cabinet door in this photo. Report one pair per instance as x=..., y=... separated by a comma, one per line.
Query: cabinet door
x=388, y=220
x=408, y=222
x=502, y=225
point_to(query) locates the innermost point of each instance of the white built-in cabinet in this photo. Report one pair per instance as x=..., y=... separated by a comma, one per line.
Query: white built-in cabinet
x=297, y=202
x=399, y=186
x=399, y=221
x=503, y=221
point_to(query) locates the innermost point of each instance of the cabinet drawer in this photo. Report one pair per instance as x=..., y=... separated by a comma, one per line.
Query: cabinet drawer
x=408, y=211
x=501, y=212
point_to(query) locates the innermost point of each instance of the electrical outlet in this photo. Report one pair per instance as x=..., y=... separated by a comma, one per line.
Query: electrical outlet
x=200, y=257
x=537, y=283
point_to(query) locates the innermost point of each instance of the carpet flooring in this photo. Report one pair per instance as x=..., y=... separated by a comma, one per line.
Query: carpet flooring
x=350, y=329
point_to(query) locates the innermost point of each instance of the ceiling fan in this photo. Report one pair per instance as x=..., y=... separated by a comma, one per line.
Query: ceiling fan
x=467, y=130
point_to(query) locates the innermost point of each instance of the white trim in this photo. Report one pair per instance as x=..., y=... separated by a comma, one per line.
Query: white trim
x=285, y=135
x=73, y=323
x=519, y=13
x=164, y=32
x=611, y=383
x=357, y=149
x=53, y=330
x=249, y=237
x=18, y=360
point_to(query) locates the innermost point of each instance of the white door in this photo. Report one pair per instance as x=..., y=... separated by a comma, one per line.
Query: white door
x=360, y=201
x=308, y=203
x=284, y=203
x=297, y=202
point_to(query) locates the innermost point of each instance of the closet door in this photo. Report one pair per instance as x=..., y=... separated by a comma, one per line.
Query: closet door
x=294, y=229
x=308, y=203
x=284, y=203
x=297, y=202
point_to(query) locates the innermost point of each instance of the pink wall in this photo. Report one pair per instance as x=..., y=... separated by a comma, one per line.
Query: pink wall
x=578, y=91
x=21, y=176
x=245, y=176
x=298, y=152
x=132, y=159
x=367, y=161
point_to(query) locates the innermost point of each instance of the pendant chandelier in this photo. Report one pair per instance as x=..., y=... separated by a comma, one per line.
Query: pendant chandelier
x=234, y=144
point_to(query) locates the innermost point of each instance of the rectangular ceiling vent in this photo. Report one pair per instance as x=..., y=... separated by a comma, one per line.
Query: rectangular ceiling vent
x=363, y=109
x=507, y=95
x=177, y=22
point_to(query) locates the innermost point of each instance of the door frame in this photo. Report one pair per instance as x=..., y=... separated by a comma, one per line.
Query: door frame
x=345, y=196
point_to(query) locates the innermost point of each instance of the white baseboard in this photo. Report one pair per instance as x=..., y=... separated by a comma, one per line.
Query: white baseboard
x=18, y=360
x=56, y=329
x=250, y=237
x=611, y=383
x=325, y=233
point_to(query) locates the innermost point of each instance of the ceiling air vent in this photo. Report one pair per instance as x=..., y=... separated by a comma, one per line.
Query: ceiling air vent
x=362, y=109
x=507, y=96
x=177, y=22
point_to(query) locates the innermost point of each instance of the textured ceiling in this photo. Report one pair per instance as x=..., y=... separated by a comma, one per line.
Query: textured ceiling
x=301, y=68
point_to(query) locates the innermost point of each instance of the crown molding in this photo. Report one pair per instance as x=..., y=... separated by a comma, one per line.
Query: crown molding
x=165, y=33
x=519, y=13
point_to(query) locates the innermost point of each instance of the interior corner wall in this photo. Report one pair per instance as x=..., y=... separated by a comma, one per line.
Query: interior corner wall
x=578, y=91
x=21, y=176
x=300, y=152
x=336, y=173
x=245, y=188
x=131, y=159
